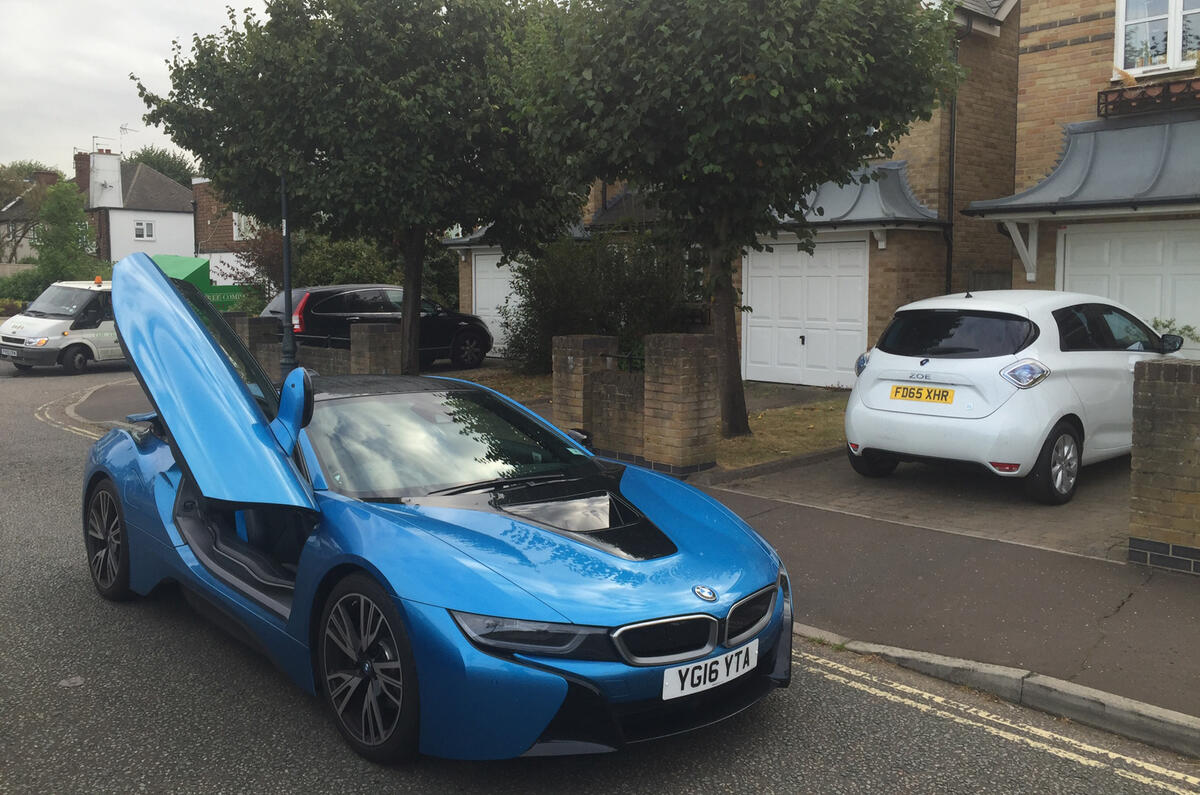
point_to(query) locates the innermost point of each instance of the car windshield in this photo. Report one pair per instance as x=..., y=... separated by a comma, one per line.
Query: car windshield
x=379, y=447
x=957, y=334
x=59, y=301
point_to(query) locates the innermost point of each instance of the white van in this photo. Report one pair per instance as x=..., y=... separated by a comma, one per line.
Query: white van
x=70, y=324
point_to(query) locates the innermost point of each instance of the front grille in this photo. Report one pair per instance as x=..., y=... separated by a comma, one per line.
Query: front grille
x=13, y=340
x=667, y=640
x=749, y=616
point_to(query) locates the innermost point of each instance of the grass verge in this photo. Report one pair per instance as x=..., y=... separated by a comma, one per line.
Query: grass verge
x=785, y=432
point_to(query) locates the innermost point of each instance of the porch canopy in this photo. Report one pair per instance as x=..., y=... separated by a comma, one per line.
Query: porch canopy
x=1109, y=168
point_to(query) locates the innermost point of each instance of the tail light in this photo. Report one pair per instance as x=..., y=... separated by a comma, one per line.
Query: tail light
x=298, y=315
x=1025, y=373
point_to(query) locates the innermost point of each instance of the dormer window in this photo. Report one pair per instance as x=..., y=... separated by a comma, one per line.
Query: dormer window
x=1157, y=35
x=143, y=230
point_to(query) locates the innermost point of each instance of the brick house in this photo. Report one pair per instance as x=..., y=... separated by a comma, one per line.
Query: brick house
x=18, y=223
x=221, y=233
x=878, y=245
x=1106, y=193
x=134, y=208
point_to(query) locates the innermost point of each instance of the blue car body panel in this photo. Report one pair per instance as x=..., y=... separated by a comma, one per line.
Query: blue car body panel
x=433, y=555
x=229, y=446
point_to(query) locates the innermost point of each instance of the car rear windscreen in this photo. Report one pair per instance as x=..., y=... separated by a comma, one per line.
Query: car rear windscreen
x=957, y=334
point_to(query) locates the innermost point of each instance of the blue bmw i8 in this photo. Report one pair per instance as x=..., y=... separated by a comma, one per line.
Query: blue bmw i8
x=449, y=573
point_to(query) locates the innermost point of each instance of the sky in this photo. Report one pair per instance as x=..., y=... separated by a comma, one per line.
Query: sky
x=65, y=66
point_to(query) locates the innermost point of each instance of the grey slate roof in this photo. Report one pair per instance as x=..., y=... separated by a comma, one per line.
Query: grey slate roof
x=886, y=201
x=147, y=189
x=985, y=8
x=1131, y=162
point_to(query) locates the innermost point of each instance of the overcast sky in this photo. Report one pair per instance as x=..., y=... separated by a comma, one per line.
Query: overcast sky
x=65, y=66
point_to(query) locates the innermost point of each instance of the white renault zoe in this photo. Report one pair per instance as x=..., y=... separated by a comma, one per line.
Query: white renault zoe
x=1026, y=383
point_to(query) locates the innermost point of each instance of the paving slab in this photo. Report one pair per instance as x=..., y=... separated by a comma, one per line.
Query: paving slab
x=965, y=500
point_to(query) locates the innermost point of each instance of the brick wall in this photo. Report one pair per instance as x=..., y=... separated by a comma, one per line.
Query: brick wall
x=466, y=282
x=374, y=347
x=665, y=418
x=618, y=411
x=1066, y=56
x=1164, y=486
x=214, y=221
x=913, y=266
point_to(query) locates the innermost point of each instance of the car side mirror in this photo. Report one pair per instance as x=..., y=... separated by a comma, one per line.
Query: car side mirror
x=295, y=409
x=1171, y=343
x=581, y=436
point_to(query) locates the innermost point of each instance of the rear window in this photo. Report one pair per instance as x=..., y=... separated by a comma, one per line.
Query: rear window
x=957, y=334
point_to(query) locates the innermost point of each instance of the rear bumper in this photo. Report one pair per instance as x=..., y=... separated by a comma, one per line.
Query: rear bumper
x=1013, y=434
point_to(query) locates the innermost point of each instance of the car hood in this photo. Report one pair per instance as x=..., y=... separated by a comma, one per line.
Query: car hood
x=28, y=326
x=597, y=584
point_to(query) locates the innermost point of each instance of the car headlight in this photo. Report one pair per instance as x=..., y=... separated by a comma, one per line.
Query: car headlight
x=1025, y=373
x=35, y=342
x=536, y=637
x=861, y=363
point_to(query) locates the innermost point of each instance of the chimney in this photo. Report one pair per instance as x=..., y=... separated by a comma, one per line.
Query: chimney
x=45, y=178
x=83, y=169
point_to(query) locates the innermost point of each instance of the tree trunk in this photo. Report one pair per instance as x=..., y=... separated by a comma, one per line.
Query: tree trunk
x=734, y=420
x=412, y=242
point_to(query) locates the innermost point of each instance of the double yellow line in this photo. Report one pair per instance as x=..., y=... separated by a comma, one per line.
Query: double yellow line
x=1081, y=753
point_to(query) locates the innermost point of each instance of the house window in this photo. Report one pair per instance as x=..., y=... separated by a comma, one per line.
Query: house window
x=245, y=227
x=1157, y=35
x=143, y=230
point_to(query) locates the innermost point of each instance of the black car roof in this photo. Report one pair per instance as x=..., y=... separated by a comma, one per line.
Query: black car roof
x=330, y=387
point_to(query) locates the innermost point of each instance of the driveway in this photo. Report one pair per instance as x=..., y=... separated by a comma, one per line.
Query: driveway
x=965, y=501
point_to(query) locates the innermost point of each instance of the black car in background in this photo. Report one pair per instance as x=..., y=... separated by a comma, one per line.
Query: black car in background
x=323, y=316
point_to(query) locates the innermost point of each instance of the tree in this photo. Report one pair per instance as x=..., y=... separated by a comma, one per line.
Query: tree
x=17, y=182
x=175, y=165
x=728, y=114
x=64, y=237
x=390, y=119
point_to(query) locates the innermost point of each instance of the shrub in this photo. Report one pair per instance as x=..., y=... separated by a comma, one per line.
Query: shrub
x=11, y=306
x=625, y=286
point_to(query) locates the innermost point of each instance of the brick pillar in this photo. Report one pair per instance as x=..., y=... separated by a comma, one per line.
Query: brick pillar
x=574, y=358
x=682, y=413
x=1164, y=485
x=466, y=282
x=240, y=323
x=262, y=338
x=375, y=348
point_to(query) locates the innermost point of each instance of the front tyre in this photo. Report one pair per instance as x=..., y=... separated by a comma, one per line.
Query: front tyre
x=107, y=543
x=873, y=464
x=1056, y=474
x=75, y=359
x=366, y=672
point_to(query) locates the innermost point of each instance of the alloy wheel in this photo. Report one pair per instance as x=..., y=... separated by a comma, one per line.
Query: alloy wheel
x=104, y=539
x=1064, y=463
x=470, y=352
x=363, y=673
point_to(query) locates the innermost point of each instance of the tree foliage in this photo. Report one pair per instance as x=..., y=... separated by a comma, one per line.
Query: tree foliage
x=626, y=286
x=390, y=119
x=173, y=164
x=64, y=243
x=17, y=181
x=731, y=112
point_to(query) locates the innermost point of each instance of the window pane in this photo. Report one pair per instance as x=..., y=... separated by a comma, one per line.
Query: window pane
x=1140, y=9
x=1146, y=44
x=1191, y=5
x=956, y=334
x=1191, y=34
x=1127, y=333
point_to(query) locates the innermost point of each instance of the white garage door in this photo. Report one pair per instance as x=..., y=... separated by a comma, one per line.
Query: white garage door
x=809, y=318
x=1153, y=268
x=490, y=289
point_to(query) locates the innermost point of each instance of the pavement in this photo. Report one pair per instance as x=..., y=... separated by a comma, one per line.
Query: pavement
x=947, y=570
